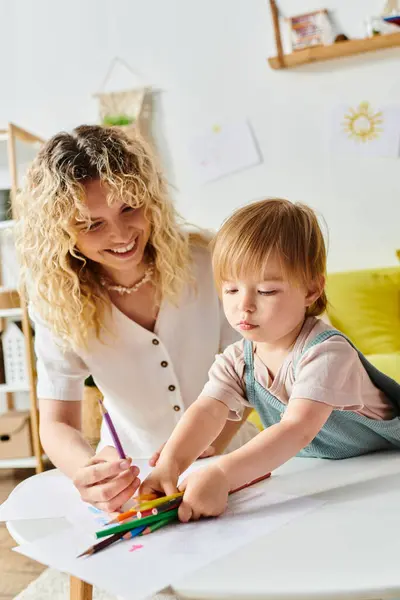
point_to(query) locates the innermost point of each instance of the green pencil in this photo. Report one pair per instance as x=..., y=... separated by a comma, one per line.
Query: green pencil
x=136, y=523
x=159, y=524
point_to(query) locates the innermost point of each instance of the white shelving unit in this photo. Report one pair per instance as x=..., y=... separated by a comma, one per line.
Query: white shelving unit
x=11, y=389
x=7, y=224
x=17, y=149
x=10, y=312
x=29, y=462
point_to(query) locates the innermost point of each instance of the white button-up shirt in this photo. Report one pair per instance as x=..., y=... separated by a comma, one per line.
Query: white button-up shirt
x=147, y=378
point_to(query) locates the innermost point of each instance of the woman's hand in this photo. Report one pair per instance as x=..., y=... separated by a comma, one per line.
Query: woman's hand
x=106, y=481
x=210, y=451
x=206, y=494
x=163, y=480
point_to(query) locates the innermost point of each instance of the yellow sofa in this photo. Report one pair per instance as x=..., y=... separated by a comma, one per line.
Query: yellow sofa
x=365, y=305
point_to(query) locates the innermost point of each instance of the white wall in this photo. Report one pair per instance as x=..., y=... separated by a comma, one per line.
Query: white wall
x=209, y=58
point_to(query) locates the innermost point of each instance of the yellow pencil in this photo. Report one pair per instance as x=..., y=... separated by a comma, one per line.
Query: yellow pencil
x=142, y=507
x=158, y=501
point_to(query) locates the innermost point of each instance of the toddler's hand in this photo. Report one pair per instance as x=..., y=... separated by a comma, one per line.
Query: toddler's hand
x=163, y=480
x=206, y=494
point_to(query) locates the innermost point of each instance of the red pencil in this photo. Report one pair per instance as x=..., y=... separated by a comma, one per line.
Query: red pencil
x=246, y=485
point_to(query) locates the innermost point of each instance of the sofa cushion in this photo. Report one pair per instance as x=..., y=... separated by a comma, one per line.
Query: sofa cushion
x=365, y=305
x=387, y=363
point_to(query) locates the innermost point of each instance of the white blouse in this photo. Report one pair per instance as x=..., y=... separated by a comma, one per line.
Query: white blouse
x=147, y=379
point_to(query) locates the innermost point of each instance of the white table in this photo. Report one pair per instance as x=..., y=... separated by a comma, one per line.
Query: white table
x=348, y=548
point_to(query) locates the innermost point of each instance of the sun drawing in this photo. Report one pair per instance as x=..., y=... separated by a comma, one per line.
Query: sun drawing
x=362, y=124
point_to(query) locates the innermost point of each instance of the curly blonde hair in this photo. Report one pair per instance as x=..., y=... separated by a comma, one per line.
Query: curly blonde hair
x=273, y=226
x=61, y=285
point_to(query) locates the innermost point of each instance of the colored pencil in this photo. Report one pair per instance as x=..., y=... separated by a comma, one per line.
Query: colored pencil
x=144, y=498
x=127, y=526
x=161, y=509
x=167, y=505
x=163, y=520
x=153, y=518
x=110, y=540
x=158, y=501
x=113, y=432
x=246, y=485
x=159, y=524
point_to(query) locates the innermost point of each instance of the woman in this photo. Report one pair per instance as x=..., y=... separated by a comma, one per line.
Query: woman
x=118, y=290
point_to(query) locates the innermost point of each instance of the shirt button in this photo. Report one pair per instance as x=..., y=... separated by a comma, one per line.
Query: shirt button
x=164, y=363
x=171, y=388
x=177, y=408
x=155, y=342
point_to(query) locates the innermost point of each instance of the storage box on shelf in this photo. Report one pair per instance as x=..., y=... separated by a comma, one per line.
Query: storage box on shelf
x=19, y=430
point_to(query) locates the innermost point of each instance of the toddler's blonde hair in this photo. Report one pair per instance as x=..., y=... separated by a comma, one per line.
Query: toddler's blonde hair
x=290, y=232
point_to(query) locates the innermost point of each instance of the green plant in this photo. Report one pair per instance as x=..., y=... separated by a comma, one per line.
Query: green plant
x=115, y=120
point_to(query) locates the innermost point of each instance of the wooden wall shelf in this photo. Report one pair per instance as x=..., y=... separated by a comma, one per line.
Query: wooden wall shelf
x=338, y=50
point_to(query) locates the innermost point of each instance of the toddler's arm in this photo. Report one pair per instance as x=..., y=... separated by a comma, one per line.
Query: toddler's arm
x=200, y=425
x=275, y=445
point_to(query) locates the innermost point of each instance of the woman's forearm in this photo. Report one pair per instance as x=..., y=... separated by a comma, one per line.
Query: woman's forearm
x=199, y=427
x=65, y=446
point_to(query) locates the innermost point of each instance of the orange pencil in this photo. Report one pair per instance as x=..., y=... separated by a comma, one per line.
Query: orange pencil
x=144, y=506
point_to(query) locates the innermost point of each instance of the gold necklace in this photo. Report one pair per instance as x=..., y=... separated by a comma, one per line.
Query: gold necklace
x=122, y=289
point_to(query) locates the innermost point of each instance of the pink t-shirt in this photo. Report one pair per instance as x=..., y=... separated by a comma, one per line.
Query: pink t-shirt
x=330, y=372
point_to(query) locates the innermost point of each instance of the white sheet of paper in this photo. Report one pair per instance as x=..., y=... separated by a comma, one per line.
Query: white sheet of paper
x=52, y=495
x=223, y=150
x=142, y=566
x=366, y=130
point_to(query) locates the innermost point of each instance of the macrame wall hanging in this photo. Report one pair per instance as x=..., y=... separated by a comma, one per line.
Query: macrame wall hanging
x=130, y=109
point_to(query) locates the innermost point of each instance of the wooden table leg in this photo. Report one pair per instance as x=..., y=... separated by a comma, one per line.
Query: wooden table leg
x=79, y=590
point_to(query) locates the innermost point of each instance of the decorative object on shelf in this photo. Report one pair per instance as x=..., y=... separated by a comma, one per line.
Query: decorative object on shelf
x=341, y=37
x=391, y=12
x=14, y=356
x=372, y=26
x=318, y=53
x=15, y=435
x=311, y=29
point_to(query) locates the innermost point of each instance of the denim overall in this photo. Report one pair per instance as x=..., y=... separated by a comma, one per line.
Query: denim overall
x=345, y=433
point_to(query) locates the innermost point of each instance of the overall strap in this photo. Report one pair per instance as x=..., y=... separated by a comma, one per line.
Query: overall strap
x=249, y=371
x=321, y=337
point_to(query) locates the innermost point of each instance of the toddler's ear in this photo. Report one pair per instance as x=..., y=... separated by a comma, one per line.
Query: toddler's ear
x=315, y=289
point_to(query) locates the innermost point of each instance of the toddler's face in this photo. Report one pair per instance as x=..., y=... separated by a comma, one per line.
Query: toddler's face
x=266, y=309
